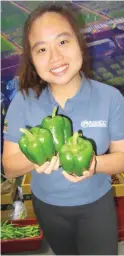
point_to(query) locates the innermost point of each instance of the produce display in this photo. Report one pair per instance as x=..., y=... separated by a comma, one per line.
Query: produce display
x=13, y=231
x=60, y=127
x=37, y=145
x=76, y=154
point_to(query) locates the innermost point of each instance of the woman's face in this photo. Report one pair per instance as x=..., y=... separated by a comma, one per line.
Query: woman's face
x=54, y=49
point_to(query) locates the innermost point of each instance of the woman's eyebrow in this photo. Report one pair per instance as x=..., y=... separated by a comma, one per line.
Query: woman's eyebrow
x=64, y=34
x=43, y=42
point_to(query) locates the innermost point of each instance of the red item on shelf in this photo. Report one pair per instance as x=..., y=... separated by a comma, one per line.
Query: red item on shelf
x=23, y=244
x=119, y=202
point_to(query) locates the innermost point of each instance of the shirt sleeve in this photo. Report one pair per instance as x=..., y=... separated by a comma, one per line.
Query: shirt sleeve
x=14, y=119
x=116, y=120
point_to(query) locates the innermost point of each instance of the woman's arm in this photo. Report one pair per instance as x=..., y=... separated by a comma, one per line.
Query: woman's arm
x=14, y=161
x=16, y=164
x=114, y=162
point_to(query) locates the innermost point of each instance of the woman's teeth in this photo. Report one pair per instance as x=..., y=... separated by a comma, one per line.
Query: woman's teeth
x=60, y=69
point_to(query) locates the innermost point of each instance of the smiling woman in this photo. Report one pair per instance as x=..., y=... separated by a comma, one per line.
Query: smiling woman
x=54, y=50
x=77, y=213
x=40, y=45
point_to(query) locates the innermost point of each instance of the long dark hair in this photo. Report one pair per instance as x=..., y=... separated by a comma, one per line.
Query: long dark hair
x=28, y=77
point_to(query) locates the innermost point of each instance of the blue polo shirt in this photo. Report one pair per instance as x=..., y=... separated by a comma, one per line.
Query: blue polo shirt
x=96, y=109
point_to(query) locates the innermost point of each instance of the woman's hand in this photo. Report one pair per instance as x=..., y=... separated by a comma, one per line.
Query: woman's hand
x=86, y=174
x=48, y=167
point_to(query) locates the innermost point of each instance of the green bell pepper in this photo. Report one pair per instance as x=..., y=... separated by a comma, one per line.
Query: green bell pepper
x=37, y=145
x=60, y=127
x=75, y=156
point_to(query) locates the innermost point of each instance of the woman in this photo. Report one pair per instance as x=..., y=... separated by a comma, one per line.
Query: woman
x=77, y=214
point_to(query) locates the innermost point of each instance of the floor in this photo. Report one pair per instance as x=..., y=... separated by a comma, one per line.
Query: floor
x=121, y=248
x=45, y=250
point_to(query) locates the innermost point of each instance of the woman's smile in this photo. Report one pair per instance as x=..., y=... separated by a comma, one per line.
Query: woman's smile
x=58, y=71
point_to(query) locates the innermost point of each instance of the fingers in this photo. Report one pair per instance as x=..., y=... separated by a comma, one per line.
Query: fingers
x=86, y=174
x=57, y=164
x=41, y=168
x=92, y=166
x=48, y=167
x=52, y=163
x=73, y=178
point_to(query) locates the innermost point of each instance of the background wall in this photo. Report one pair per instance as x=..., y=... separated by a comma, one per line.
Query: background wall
x=104, y=33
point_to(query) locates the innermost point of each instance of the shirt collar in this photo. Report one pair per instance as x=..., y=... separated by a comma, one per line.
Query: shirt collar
x=83, y=94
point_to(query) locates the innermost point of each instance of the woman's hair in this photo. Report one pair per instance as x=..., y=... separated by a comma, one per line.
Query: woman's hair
x=28, y=77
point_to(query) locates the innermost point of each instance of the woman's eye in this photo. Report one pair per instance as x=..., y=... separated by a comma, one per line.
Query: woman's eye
x=63, y=42
x=42, y=50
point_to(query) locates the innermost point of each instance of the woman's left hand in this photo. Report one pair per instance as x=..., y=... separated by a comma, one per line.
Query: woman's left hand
x=86, y=174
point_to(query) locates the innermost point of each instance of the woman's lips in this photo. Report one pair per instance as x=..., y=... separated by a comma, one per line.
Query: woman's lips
x=60, y=70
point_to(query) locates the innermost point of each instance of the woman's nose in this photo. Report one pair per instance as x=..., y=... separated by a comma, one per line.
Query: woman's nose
x=55, y=55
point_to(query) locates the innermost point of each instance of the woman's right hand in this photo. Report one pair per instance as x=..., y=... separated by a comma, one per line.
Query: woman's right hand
x=48, y=167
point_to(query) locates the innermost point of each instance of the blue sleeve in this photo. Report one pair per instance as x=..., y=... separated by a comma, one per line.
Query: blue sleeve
x=14, y=119
x=116, y=120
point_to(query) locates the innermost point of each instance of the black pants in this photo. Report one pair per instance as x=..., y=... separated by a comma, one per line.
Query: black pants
x=80, y=230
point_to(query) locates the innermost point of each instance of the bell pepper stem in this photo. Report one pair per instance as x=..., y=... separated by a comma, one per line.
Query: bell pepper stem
x=29, y=134
x=75, y=137
x=54, y=112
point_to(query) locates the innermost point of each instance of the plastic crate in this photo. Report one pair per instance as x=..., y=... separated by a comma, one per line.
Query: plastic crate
x=27, y=198
x=7, y=197
x=119, y=202
x=23, y=244
x=26, y=189
x=118, y=189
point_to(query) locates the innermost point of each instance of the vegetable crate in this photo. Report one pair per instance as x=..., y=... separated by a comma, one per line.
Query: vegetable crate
x=22, y=244
x=8, y=195
x=118, y=189
x=119, y=202
x=26, y=191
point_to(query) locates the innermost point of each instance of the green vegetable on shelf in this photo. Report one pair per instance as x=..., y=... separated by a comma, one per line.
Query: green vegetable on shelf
x=37, y=145
x=76, y=154
x=60, y=127
x=13, y=231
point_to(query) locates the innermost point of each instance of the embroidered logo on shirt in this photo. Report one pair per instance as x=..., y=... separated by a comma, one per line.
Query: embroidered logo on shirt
x=100, y=123
x=5, y=126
